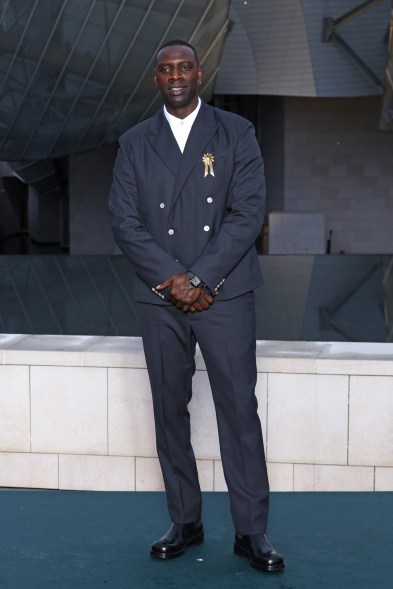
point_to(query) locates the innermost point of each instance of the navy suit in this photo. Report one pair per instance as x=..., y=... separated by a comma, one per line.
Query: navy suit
x=169, y=217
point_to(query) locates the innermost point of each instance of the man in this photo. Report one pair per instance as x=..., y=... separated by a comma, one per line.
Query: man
x=187, y=204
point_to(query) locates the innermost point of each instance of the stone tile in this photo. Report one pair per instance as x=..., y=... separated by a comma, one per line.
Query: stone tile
x=130, y=413
x=43, y=357
x=96, y=473
x=365, y=366
x=219, y=479
x=204, y=433
x=307, y=418
x=14, y=409
x=303, y=477
x=116, y=351
x=31, y=471
x=7, y=340
x=56, y=343
x=68, y=410
x=292, y=349
x=261, y=395
x=288, y=357
x=206, y=474
x=383, y=479
x=148, y=475
x=296, y=225
x=54, y=350
x=371, y=421
x=325, y=357
x=287, y=365
x=309, y=477
x=280, y=476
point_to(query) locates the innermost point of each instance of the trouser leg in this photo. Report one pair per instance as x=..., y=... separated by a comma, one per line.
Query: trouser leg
x=169, y=349
x=226, y=335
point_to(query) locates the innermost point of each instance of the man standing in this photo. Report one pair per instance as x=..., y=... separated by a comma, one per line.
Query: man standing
x=187, y=204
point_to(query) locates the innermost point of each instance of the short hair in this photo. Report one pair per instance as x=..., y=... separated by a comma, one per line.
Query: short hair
x=178, y=42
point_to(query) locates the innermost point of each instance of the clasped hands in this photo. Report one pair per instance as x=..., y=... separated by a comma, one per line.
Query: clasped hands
x=184, y=295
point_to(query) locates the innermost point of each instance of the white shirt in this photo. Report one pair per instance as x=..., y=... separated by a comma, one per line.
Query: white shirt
x=181, y=127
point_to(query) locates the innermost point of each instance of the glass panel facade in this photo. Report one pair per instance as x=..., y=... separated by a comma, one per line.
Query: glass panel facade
x=75, y=74
x=331, y=298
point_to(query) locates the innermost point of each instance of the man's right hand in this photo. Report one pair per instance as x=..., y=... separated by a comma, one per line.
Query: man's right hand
x=184, y=295
x=202, y=303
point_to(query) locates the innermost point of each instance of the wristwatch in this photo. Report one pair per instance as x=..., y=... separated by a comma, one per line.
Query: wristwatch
x=197, y=282
x=194, y=280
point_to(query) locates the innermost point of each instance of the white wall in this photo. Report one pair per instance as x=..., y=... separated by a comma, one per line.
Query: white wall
x=76, y=413
x=296, y=233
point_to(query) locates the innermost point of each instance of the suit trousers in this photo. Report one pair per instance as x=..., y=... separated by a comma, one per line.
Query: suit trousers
x=226, y=337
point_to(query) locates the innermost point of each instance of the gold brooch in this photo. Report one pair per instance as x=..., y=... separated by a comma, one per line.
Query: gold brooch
x=208, y=159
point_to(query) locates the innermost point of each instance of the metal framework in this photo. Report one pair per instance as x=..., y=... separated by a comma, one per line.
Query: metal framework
x=330, y=33
x=386, y=121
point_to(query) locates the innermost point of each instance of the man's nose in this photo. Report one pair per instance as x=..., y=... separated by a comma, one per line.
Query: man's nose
x=176, y=73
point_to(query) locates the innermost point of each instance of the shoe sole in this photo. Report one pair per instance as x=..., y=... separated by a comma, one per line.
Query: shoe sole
x=168, y=555
x=274, y=568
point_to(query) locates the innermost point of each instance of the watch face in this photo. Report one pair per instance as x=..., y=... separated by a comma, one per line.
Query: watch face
x=195, y=281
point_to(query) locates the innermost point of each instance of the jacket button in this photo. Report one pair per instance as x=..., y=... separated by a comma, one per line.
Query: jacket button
x=171, y=231
x=209, y=199
x=206, y=228
x=162, y=205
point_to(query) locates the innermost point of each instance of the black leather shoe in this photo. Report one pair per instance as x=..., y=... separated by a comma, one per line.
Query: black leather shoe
x=177, y=539
x=259, y=552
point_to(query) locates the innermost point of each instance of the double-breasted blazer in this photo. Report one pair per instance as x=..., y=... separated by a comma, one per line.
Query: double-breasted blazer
x=170, y=216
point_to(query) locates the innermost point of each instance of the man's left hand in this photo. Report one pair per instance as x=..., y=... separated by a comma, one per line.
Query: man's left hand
x=184, y=295
x=181, y=292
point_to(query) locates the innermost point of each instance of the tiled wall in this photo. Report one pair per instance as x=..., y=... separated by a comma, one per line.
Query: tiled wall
x=296, y=233
x=337, y=163
x=76, y=413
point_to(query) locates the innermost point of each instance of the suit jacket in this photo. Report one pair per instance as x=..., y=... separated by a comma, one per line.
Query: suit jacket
x=169, y=217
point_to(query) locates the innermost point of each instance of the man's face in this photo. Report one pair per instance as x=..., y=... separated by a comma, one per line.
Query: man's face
x=177, y=75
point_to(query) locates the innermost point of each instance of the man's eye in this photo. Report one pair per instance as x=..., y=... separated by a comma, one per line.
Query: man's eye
x=165, y=69
x=186, y=67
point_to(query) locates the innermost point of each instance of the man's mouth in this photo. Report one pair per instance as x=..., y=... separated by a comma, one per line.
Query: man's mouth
x=176, y=90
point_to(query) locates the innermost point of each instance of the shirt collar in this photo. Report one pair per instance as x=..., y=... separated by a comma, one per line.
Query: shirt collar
x=187, y=121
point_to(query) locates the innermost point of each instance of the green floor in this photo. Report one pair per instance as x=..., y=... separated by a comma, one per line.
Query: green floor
x=75, y=540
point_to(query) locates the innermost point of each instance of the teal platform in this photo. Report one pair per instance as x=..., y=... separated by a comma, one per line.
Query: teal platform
x=86, y=540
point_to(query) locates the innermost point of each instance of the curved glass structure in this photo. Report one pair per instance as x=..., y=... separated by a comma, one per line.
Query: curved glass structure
x=332, y=298
x=75, y=74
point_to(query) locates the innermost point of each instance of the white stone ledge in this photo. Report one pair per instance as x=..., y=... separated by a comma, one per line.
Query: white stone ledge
x=76, y=413
x=127, y=352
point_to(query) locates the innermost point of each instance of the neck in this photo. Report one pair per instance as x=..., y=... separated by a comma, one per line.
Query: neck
x=182, y=112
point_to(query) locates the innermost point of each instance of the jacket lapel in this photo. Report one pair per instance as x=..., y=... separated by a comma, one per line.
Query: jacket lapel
x=203, y=129
x=164, y=143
